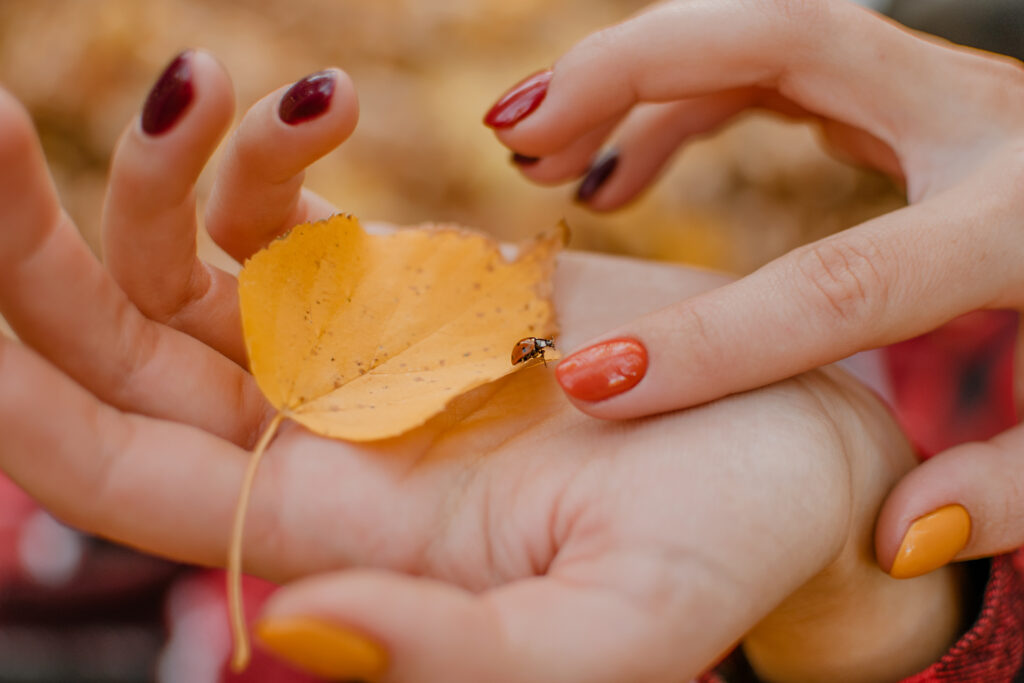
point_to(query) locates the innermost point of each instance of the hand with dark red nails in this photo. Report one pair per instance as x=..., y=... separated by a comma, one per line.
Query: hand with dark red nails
x=523, y=537
x=940, y=118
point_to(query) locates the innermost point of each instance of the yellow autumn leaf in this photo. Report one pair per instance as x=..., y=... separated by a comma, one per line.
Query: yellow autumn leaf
x=361, y=336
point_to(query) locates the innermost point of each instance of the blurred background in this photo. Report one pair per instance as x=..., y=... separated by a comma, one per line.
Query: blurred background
x=78, y=609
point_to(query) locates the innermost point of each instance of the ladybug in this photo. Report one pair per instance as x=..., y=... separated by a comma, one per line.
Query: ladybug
x=529, y=348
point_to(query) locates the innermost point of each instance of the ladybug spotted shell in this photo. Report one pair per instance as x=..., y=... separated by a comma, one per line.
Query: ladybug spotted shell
x=529, y=348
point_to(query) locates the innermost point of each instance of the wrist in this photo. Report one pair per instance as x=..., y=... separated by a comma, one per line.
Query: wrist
x=853, y=622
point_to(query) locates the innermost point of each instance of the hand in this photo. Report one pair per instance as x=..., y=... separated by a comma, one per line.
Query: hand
x=943, y=118
x=511, y=538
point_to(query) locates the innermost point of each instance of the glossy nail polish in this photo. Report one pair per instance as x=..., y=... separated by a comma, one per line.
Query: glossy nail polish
x=932, y=541
x=523, y=160
x=307, y=99
x=169, y=97
x=520, y=101
x=323, y=648
x=603, y=370
x=599, y=172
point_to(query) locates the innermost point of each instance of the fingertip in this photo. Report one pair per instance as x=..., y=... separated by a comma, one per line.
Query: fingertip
x=519, y=101
x=914, y=497
x=19, y=143
x=28, y=200
x=603, y=370
x=960, y=504
x=324, y=101
x=257, y=193
x=329, y=94
x=347, y=101
x=216, y=81
x=15, y=122
x=323, y=647
x=194, y=89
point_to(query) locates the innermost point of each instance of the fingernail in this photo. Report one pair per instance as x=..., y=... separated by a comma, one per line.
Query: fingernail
x=599, y=172
x=603, y=370
x=169, y=97
x=932, y=541
x=520, y=101
x=523, y=160
x=322, y=648
x=307, y=99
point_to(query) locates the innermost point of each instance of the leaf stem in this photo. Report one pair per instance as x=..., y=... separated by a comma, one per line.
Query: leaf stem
x=242, y=652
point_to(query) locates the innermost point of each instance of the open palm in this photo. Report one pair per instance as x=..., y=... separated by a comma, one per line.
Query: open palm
x=510, y=538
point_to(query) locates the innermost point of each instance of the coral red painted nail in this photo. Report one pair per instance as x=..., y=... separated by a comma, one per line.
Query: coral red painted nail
x=170, y=96
x=520, y=101
x=308, y=98
x=603, y=370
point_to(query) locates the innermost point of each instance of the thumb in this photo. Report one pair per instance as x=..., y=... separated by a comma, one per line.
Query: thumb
x=382, y=626
x=963, y=503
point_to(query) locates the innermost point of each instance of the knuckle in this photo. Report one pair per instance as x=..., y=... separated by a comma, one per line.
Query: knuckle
x=799, y=27
x=800, y=12
x=137, y=346
x=602, y=47
x=845, y=278
x=704, y=347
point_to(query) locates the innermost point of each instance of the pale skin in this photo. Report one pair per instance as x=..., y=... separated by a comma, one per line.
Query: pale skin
x=944, y=120
x=510, y=539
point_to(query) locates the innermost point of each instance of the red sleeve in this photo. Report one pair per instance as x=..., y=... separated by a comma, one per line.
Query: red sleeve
x=993, y=649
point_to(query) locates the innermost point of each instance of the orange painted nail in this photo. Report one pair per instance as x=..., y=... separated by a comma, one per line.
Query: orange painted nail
x=323, y=648
x=603, y=370
x=932, y=541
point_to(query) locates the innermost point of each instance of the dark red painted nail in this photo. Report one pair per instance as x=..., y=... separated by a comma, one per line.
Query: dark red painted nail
x=170, y=96
x=599, y=172
x=308, y=98
x=603, y=370
x=523, y=160
x=520, y=101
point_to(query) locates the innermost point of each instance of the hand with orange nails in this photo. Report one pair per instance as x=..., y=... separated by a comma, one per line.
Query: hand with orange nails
x=530, y=544
x=943, y=119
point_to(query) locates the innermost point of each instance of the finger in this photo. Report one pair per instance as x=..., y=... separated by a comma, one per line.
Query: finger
x=171, y=489
x=962, y=503
x=833, y=59
x=649, y=137
x=258, y=191
x=569, y=163
x=889, y=279
x=356, y=625
x=60, y=301
x=149, y=220
x=159, y=486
